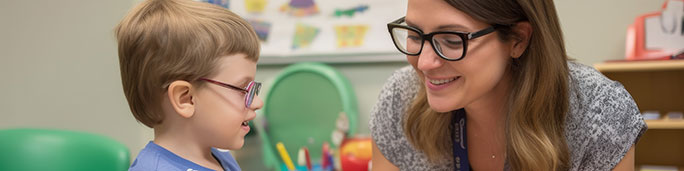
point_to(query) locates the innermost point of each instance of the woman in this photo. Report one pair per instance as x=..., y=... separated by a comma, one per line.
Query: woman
x=491, y=88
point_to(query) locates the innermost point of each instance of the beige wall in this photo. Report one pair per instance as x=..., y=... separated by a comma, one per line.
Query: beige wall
x=595, y=30
x=59, y=68
x=59, y=65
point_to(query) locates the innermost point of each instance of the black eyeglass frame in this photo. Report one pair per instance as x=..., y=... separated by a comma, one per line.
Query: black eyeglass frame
x=465, y=36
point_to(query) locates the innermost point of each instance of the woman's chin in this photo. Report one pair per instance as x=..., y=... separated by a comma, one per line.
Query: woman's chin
x=443, y=104
x=442, y=108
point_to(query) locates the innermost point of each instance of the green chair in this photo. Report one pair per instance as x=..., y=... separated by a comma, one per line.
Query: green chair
x=60, y=150
x=300, y=109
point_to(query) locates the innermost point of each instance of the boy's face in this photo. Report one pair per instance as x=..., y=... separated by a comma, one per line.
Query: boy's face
x=221, y=111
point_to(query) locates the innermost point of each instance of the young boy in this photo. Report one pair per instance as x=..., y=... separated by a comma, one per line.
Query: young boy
x=187, y=70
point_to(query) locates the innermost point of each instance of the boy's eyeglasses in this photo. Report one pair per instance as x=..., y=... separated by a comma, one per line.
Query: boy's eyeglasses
x=250, y=91
x=449, y=45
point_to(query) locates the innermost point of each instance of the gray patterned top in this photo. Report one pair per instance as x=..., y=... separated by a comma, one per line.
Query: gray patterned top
x=602, y=124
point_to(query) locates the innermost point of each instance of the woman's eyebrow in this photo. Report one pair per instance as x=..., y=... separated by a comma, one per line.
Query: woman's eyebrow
x=441, y=27
x=408, y=23
x=452, y=27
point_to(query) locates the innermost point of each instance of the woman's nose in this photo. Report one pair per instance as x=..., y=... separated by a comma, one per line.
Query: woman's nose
x=428, y=58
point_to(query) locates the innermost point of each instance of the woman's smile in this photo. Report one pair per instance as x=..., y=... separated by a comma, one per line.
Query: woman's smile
x=436, y=84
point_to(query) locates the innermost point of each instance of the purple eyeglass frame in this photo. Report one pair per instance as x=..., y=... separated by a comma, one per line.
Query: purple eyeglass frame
x=250, y=91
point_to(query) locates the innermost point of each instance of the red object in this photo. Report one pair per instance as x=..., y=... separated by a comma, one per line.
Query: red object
x=324, y=157
x=308, y=158
x=355, y=153
x=635, y=48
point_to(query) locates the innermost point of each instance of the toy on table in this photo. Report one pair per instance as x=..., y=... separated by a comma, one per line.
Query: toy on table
x=327, y=160
x=338, y=136
x=285, y=156
x=304, y=159
x=356, y=154
x=341, y=129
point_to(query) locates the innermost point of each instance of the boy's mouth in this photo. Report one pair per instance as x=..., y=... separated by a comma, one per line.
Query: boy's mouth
x=245, y=123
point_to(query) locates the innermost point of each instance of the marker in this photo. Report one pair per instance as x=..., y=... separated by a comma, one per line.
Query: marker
x=331, y=157
x=308, y=158
x=301, y=158
x=325, y=161
x=285, y=156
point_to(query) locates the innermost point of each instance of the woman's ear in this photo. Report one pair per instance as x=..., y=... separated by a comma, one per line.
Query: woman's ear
x=522, y=32
x=180, y=95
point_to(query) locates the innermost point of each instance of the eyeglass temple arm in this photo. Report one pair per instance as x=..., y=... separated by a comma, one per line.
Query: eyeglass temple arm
x=223, y=84
x=485, y=31
x=481, y=33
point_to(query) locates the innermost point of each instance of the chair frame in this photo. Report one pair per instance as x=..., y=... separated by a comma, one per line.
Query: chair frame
x=347, y=95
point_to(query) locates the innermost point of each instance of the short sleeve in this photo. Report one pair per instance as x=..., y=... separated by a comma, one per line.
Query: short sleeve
x=386, y=116
x=604, y=122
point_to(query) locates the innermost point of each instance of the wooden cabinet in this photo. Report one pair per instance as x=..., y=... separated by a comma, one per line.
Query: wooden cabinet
x=655, y=86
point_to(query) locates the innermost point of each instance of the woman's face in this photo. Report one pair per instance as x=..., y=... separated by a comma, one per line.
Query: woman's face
x=452, y=85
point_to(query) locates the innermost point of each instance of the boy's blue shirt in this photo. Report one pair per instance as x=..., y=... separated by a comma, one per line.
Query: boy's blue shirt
x=155, y=157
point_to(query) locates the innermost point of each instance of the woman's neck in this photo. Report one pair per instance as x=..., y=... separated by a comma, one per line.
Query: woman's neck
x=486, y=128
x=491, y=109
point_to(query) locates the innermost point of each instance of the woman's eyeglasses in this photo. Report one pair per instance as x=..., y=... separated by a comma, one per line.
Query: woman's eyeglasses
x=449, y=45
x=250, y=91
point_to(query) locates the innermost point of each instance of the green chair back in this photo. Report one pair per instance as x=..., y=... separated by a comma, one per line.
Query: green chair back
x=60, y=150
x=300, y=109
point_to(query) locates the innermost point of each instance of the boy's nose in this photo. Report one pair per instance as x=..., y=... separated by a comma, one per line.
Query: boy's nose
x=257, y=103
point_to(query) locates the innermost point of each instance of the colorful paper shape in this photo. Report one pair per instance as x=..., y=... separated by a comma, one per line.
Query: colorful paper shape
x=262, y=28
x=350, y=12
x=222, y=3
x=255, y=6
x=300, y=8
x=304, y=35
x=350, y=35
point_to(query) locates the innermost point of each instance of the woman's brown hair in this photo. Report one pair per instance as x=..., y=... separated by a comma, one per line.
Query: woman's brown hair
x=538, y=101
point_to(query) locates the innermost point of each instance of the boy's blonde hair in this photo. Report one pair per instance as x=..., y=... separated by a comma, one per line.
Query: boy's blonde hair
x=161, y=41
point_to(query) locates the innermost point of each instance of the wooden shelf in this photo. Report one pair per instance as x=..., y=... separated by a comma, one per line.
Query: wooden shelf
x=657, y=86
x=660, y=147
x=665, y=124
x=679, y=167
x=654, y=85
x=621, y=66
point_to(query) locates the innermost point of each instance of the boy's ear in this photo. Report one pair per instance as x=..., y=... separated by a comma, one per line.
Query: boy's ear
x=523, y=32
x=180, y=95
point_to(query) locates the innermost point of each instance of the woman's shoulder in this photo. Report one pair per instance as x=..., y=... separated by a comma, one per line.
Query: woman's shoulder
x=603, y=120
x=589, y=89
x=386, y=122
x=387, y=115
x=397, y=93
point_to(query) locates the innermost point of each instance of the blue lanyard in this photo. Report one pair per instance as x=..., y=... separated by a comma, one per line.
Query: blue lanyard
x=461, y=162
